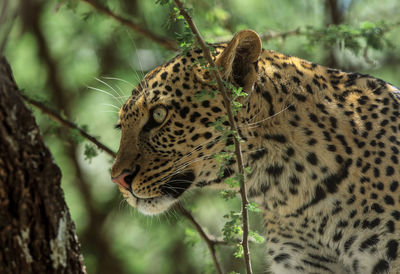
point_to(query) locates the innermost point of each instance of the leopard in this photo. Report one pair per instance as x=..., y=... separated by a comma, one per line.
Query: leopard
x=321, y=145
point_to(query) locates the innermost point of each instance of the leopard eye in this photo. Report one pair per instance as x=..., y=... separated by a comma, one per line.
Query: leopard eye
x=159, y=114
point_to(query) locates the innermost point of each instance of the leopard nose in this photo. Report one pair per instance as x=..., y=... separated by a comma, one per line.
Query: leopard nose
x=126, y=177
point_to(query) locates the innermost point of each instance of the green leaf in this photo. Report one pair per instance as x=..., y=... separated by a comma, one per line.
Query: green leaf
x=191, y=237
x=232, y=182
x=163, y=2
x=228, y=194
x=232, y=228
x=185, y=39
x=75, y=135
x=238, y=251
x=205, y=95
x=257, y=237
x=230, y=148
x=219, y=124
x=90, y=152
x=251, y=206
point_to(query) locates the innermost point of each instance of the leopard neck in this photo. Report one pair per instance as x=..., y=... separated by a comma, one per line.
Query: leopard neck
x=286, y=136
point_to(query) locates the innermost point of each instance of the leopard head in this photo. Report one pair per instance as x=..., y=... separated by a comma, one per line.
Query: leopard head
x=168, y=141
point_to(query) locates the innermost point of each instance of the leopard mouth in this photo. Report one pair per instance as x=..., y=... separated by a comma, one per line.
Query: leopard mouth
x=178, y=184
x=171, y=191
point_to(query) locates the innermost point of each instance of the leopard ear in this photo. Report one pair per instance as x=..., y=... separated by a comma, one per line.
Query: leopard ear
x=238, y=60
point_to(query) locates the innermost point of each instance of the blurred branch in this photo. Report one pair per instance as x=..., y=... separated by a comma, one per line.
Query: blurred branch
x=275, y=35
x=271, y=34
x=7, y=19
x=30, y=14
x=66, y=123
x=210, y=240
x=163, y=41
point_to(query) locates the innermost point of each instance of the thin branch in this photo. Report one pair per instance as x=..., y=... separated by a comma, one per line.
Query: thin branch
x=163, y=41
x=366, y=57
x=57, y=117
x=275, y=35
x=233, y=127
x=210, y=240
x=269, y=35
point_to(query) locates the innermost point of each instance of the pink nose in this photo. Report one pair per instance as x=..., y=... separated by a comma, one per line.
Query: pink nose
x=123, y=179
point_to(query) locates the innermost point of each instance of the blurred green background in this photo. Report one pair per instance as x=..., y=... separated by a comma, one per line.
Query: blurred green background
x=84, y=64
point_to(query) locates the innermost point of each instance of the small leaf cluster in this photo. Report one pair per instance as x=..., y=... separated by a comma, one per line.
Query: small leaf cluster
x=191, y=237
x=232, y=229
x=205, y=95
x=90, y=152
x=251, y=206
x=367, y=34
x=163, y=2
x=186, y=38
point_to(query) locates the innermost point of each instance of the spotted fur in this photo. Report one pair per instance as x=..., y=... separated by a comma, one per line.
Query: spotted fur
x=323, y=146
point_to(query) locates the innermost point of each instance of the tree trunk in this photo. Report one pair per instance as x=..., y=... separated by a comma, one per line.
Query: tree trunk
x=37, y=234
x=334, y=16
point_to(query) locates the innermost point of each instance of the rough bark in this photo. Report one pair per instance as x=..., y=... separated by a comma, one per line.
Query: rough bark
x=37, y=234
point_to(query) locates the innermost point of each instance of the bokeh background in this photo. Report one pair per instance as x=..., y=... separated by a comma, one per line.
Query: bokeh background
x=84, y=64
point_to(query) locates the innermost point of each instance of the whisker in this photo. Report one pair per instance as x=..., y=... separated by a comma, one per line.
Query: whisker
x=265, y=119
x=119, y=79
x=188, y=154
x=140, y=63
x=110, y=105
x=103, y=91
x=252, y=118
x=135, y=47
x=112, y=111
x=175, y=187
x=122, y=92
x=101, y=81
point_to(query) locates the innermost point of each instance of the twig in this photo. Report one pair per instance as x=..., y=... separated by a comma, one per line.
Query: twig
x=233, y=127
x=266, y=36
x=57, y=117
x=163, y=41
x=208, y=239
x=274, y=35
x=366, y=57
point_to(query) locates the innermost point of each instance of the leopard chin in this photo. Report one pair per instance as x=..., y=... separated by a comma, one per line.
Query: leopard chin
x=172, y=190
x=150, y=206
